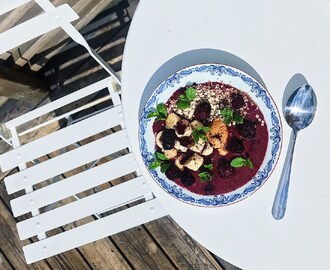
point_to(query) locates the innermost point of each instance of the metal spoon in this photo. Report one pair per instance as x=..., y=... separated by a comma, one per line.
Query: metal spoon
x=299, y=113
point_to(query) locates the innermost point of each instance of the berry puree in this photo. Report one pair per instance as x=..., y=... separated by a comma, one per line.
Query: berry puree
x=211, y=139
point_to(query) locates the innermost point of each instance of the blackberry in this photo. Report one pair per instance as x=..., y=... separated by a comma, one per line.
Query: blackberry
x=187, y=179
x=182, y=126
x=168, y=138
x=186, y=156
x=202, y=111
x=172, y=172
x=185, y=141
x=224, y=169
x=237, y=101
x=235, y=145
x=247, y=129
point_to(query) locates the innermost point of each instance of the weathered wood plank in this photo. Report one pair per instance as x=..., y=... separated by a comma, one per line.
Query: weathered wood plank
x=18, y=15
x=141, y=250
x=11, y=245
x=18, y=85
x=103, y=254
x=71, y=259
x=4, y=57
x=181, y=249
x=4, y=263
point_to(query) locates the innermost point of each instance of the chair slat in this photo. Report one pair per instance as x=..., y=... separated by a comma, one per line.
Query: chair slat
x=74, y=184
x=108, y=199
x=95, y=230
x=6, y=6
x=67, y=161
x=88, y=90
x=61, y=138
x=36, y=26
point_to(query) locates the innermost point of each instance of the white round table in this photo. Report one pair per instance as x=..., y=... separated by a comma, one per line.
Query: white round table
x=277, y=39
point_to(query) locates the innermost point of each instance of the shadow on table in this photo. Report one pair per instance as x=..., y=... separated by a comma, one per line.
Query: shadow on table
x=194, y=57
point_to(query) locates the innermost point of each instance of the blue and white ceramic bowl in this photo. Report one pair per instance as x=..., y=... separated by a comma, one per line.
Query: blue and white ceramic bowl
x=228, y=75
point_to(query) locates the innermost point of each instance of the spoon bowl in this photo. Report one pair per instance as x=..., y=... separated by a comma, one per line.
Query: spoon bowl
x=299, y=113
x=301, y=107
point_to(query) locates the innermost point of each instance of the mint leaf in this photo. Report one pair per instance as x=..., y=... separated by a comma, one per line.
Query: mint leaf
x=202, y=136
x=227, y=120
x=206, y=129
x=195, y=136
x=153, y=165
x=152, y=114
x=160, y=113
x=164, y=166
x=209, y=166
x=160, y=156
x=184, y=100
x=182, y=97
x=199, y=133
x=227, y=115
x=183, y=104
x=227, y=112
x=249, y=163
x=161, y=109
x=204, y=177
x=241, y=162
x=237, y=118
x=238, y=162
x=190, y=93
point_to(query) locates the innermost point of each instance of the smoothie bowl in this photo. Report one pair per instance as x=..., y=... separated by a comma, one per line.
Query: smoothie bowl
x=210, y=135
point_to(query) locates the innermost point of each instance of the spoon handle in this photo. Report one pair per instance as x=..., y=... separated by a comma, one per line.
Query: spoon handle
x=279, y=205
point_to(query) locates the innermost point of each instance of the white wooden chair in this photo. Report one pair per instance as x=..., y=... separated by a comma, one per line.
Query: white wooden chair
x=45, y=188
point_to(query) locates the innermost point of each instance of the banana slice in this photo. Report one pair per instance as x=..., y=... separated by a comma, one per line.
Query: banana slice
x=177, y=162
x=196, y=124
x=207, y=150
x=183, y=128
x=158, y=139
x=172, y=153
x=194, y=162
x=218, y=136
x=197, y=147
x=171, y=120
x=180, y=147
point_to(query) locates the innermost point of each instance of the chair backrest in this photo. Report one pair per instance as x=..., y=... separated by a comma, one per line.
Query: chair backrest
x=53, y=17
x=83, y=148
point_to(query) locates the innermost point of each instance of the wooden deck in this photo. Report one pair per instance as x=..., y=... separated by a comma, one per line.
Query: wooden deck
x=160, y=244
